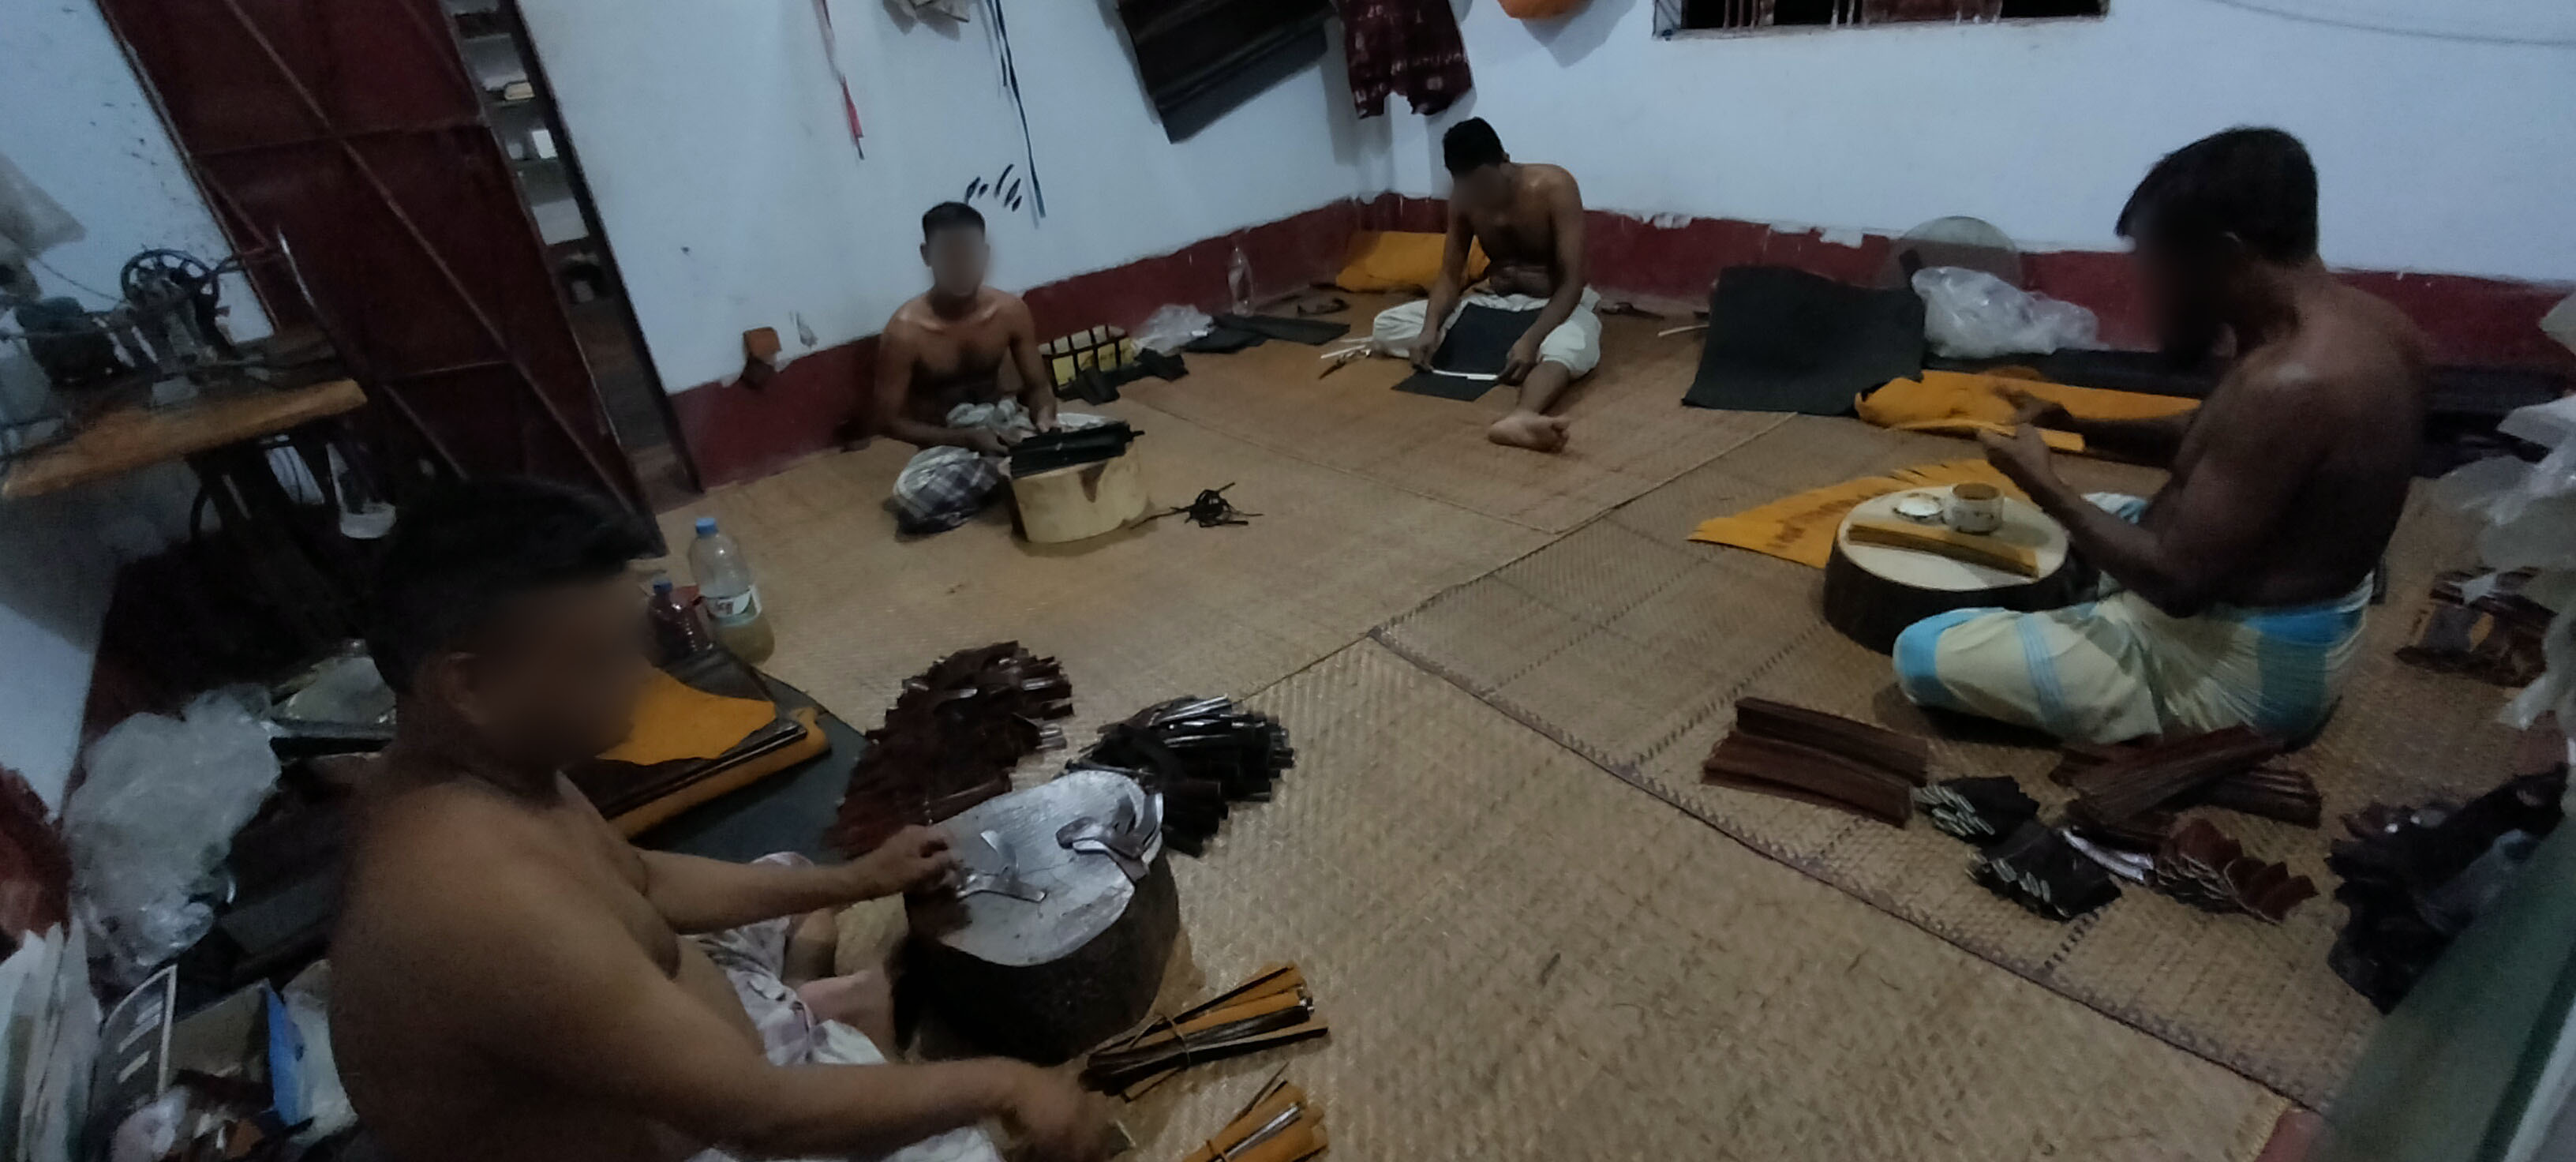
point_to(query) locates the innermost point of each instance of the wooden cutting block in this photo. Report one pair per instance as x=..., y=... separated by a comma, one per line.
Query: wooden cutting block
x=1080, y=501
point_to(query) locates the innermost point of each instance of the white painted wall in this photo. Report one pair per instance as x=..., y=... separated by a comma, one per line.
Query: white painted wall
x=713, y=139
x=79, y=126
x=2435, y=154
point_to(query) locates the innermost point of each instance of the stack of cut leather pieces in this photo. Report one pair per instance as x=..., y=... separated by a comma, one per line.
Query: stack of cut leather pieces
x=1201, y=755
x=1067, y=447
x=707, y=725
x=1281, y=1124
x=951, y=740
x=2124, y=810
x=1271, y=1009
x=1785, y=750
x=2228, y=768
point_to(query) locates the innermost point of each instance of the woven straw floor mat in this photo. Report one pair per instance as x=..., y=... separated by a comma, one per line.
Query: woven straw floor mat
x=1630, y=431
x=1630, y=645
x=1522, y=960
x=1165, y=609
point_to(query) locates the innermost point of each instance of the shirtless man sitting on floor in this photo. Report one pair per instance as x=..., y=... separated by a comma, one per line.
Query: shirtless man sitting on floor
x=514, y=982
x=1529, y=217
x=2235, y=596
x=939, y=373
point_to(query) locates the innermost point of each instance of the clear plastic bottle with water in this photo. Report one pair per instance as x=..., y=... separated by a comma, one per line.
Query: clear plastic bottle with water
x=732, y=600
x=1238, y=281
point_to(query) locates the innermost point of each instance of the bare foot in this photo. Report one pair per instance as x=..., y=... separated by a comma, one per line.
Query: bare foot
x=1529, y=430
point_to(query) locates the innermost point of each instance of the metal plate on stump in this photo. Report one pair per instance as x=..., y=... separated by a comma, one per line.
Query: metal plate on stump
x=1050, y=978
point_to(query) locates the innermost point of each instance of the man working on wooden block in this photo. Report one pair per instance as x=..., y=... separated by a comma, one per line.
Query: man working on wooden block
x=2235, y=596
x=513, y=981
x=939, y=379
x=1529, y=217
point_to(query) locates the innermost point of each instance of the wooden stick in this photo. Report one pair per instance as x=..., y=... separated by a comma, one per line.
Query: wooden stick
x=1974, y=548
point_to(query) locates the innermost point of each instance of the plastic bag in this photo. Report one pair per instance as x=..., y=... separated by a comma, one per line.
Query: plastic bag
x=1173, y=326
x=1969, y=314
x=149, y=828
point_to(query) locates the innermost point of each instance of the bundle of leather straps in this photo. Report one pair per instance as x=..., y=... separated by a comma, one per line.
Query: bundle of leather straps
x=1820, y=758
x=1271, y=1009
x=1280, y=1124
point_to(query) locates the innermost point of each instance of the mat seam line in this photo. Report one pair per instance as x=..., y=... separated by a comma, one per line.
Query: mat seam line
x=1655, y=788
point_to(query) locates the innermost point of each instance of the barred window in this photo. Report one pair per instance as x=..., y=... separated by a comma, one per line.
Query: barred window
x=1680, y=16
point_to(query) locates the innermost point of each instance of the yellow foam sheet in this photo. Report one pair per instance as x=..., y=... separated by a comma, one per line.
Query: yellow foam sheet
x=674, y=721
x=1958, y=403
x=1398, y=260
x=1801, y=528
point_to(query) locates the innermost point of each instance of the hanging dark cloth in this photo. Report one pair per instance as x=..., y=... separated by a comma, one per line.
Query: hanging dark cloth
x=1201, y=58
x=1404, y=46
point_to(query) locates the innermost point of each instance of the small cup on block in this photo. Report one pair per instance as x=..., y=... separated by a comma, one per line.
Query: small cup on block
x=1975, y=508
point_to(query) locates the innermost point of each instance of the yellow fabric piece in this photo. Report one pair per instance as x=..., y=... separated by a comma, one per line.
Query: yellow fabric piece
x=1801, y=528
x=2059, y=441
x=1396, y=260
x=1959, y=403
x=674, y=720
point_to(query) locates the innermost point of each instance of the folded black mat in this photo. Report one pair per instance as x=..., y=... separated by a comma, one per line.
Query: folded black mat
x=1783, y=340
x=1224, y=340
x=1480, y=342
x=1311, y=332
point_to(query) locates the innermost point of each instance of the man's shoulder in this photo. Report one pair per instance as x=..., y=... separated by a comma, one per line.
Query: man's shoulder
x=446, y=852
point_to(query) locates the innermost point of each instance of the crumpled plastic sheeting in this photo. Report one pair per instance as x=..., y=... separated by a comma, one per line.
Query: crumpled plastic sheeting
x=2530, y=516
x=150, y=827
x=1969, y=314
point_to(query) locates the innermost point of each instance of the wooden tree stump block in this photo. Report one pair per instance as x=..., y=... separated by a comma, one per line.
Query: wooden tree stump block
x=1873, y=591
x=1048, y=979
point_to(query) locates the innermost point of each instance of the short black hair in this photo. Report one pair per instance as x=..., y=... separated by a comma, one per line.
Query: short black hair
x=457, y=556
x=1470, y=144
x=2256, y=184
x=950, y=216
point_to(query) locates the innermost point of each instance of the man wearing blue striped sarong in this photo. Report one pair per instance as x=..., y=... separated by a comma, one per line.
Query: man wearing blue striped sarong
x=2234, y=596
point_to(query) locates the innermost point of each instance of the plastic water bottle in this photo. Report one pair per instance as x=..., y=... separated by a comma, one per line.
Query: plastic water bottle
x=676, y=628
x=732, y=600
x=1238, y=279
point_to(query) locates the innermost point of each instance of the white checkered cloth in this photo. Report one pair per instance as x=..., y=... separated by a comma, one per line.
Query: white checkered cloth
x=944, y=487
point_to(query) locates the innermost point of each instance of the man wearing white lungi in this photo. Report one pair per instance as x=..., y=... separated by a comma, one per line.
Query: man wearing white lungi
x=1529, y=218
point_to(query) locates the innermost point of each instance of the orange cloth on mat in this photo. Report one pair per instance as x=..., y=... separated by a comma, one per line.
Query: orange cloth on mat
x=674, y=720
x=1396, y=260
x=1960, y=403
x=1801, y=528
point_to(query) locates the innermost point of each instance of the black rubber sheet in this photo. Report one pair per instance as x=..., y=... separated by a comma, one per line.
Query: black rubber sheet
x=1479, y=342
x=1783, y=340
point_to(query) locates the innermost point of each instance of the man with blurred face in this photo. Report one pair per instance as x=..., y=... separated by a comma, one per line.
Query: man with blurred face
x=2235, y=596
x=940, y=370
x=513, y=981
x=1529, y=218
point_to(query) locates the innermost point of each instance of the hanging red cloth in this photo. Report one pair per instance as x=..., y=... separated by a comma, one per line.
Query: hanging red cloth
x=1404, y=46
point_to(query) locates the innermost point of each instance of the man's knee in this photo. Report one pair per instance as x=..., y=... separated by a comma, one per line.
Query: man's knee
x=1919, y=658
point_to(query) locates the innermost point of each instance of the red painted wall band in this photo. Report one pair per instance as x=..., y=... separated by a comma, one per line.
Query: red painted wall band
x=818, y=402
